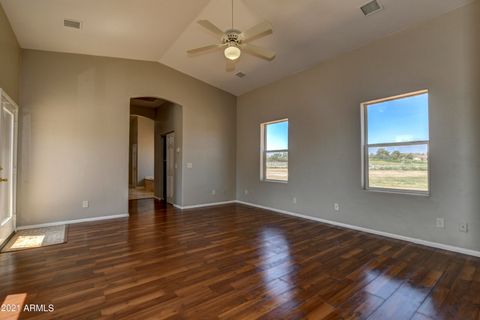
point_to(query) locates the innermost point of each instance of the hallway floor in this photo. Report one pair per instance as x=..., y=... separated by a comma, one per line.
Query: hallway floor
x=139, y=193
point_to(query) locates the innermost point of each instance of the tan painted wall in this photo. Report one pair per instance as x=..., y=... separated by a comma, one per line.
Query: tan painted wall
x=10, y=54
x=323, y=107
x=74, y=134
x=146, y=149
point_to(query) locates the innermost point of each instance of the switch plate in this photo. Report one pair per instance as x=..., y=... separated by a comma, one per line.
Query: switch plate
x=440, y=223
x=189, y=165
x=463, y=227
x=294, y=200
x=245, y=191
x=85, y=204
x=336, y=207
x=214, y=192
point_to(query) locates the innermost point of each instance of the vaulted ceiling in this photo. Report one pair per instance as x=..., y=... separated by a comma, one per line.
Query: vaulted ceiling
x=306, y=32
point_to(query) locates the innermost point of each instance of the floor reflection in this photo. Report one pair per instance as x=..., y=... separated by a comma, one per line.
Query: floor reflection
x=277, y=265
x=12, y=306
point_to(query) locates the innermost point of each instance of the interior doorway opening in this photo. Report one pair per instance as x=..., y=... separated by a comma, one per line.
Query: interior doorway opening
x=155, y=157
x=142, y=158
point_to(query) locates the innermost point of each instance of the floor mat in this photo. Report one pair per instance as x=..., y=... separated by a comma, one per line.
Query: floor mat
x=35, y=238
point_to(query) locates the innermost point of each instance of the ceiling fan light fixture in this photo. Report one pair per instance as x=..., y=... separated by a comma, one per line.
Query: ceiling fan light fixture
x=232, y=52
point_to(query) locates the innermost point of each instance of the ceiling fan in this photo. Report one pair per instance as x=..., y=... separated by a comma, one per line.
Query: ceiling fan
x=233, y=42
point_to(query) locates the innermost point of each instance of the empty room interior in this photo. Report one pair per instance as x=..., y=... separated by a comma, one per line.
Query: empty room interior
x=240, y=159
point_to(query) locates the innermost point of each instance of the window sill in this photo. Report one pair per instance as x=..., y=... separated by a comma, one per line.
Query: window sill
x=274, y=181
x=399, y=192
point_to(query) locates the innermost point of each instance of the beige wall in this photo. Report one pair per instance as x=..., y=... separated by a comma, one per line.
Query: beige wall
x=146, y=148
x=74, y=134
x=9, y=58
x=323, y=107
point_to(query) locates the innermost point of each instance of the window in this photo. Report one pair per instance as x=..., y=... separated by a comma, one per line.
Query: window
x=274, y=156
x=395, y=151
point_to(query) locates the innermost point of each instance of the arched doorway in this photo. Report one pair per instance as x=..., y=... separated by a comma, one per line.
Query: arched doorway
x=155, y=140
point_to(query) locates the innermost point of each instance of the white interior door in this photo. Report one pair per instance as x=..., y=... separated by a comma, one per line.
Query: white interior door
x=8, y=167
x=170, y=167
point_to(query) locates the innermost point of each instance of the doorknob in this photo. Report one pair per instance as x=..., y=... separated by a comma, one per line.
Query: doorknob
x=3, y=180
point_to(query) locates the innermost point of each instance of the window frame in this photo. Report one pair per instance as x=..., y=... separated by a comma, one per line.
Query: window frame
x=264, y=151
x=365, y=146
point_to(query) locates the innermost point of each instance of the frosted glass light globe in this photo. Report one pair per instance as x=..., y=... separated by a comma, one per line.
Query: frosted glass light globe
x=232, y=52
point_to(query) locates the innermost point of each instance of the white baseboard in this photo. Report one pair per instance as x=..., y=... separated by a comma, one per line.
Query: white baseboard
x=204, y=205
x=372, y=231
x=56, y=223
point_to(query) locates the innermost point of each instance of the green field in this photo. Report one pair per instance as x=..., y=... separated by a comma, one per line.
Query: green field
x=398, y=174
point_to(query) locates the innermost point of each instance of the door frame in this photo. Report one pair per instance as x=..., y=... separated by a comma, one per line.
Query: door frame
x=170, y=200
x=15, y=111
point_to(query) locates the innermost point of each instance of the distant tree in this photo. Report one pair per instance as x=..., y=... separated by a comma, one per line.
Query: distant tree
x=396, y=155
x=279, y=157
x=383, y=154
x=409, y=156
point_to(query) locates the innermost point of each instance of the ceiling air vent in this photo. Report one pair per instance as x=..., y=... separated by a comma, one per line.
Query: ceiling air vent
x=371, y=7
x=240, y=74
x=72, y=24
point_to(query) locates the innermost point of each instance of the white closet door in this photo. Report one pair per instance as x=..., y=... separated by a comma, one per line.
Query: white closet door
x=8, y=167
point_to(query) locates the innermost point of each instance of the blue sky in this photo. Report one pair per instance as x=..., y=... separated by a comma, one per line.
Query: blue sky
x=277, y=136
x=400, y=120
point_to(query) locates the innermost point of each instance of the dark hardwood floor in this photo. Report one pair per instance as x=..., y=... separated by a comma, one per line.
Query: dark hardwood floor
x=237, y=262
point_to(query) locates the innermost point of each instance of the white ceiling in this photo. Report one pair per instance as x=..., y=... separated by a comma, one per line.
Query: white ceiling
x=305, y=31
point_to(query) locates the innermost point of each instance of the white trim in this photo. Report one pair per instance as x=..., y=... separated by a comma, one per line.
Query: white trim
x=56, y=223
x=372, y=231
x=9, y=225
x=204, y=205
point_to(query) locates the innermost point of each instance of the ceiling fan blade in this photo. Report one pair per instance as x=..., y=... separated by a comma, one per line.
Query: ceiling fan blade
x=256, y=32
x=230, y=67
x=259, y=52
x=206, y=49
x=211, y=27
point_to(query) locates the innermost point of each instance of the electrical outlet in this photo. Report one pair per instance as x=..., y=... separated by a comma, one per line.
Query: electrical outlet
x=85, y=204
x=214, y=192
x=245, y=191
x=463, y=227
x=336, y=207
x=440, y=223
x=294, y=200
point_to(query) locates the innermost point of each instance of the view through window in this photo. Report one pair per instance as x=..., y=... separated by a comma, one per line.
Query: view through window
x=396, y=143
x=275, y=151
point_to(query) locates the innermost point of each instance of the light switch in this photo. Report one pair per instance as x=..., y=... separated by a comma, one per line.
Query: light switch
x=189, y=165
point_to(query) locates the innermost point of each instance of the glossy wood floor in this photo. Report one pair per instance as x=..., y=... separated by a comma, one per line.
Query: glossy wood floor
x=237, y=262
